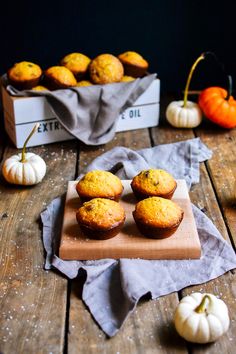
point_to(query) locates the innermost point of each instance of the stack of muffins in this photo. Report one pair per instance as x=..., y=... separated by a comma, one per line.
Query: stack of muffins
x=102, y=217
x=76, y=69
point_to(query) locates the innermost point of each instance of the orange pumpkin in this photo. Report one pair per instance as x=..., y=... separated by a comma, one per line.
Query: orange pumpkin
x=219, y=106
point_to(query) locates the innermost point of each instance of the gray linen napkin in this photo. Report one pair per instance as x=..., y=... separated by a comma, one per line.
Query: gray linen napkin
x=90, y=113
x=113, y=287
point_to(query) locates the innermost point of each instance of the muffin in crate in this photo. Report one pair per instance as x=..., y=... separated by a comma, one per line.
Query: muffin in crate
x=59, y=77
x=134, y=64
x=106, y=69
x=78, y=63
x=24, y=75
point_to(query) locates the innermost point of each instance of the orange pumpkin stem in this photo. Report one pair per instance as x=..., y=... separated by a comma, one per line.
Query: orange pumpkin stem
x=23, y=159
x=202, y=56
x=229, y=93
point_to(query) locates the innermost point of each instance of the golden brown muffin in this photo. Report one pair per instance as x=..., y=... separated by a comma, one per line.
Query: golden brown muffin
x=59, y=77
x=99, y=184
x=77, y=63
x=153, y=182
x=134, y=64
x=24, y=75
x=126, y=78
x=100, y=218
x=84, y=83
x=39, y=88
x=157, y=217
x=105, y=69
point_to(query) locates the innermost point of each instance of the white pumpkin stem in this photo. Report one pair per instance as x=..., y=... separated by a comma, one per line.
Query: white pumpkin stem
x=202, y=56
x=203, y=304
x=26, y=141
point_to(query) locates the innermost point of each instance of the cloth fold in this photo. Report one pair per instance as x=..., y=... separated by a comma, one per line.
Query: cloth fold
x=91, y=113
x=113, y=287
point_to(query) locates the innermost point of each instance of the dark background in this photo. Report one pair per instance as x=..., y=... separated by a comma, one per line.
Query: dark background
x=169, y=34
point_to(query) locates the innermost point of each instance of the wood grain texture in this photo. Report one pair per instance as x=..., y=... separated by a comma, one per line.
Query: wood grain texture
x=203, y=195
x=224, y=286
x=31, y=297
x=32, y=301
x=149, y=329
x=156, y=320
x=222, y=170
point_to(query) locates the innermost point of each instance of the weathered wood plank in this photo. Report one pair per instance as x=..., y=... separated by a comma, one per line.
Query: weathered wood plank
x=224, y=286
x=202, y=194
x=149, y=328
x=32, y=301
x=204, y=197
x=222, y=169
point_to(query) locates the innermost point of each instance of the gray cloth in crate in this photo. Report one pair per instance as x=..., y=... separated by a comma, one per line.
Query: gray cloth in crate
x=91, y=113
x=113, y=287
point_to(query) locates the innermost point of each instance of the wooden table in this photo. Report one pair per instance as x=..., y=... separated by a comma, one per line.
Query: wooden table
x=42, y=312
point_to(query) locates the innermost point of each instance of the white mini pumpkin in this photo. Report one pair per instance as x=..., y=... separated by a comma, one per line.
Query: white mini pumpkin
x=179, y=116
x=185, y=114
x=24, y=168
x=201, y=318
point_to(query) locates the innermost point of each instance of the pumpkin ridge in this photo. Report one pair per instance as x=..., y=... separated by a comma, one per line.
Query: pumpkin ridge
x=212, y=112
x=185, y=321
x=32, y=173
x=201, y=323
x=23, y=174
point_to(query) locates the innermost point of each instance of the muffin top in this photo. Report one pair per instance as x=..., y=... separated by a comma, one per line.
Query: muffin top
x=100, y=213
x=106, y=68
x=61, y=75
x=127, y=78
x=39, y=88
x=76, y=62
x=153, y=182
x=84, y=83
x=158, y=212
x=133, y=58
x=98, y=183
x=24, y=70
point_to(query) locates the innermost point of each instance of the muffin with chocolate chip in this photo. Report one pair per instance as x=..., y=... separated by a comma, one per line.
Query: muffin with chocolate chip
x=153, y=182
x=24, y=75
x=100, y=218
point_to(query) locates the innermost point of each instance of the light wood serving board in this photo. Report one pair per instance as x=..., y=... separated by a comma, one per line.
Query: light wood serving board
x=129, y=243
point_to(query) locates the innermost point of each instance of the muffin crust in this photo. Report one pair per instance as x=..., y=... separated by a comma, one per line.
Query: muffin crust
x=100, y=218
x=134, y=64
x=58, y=77
x=157, y=217
x=77, y=63
x=24, y=75
x=153, y=182
x=99, y=184
x=105, y=69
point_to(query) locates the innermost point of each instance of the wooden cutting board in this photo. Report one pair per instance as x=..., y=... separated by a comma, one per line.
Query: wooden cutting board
x=129, y=243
